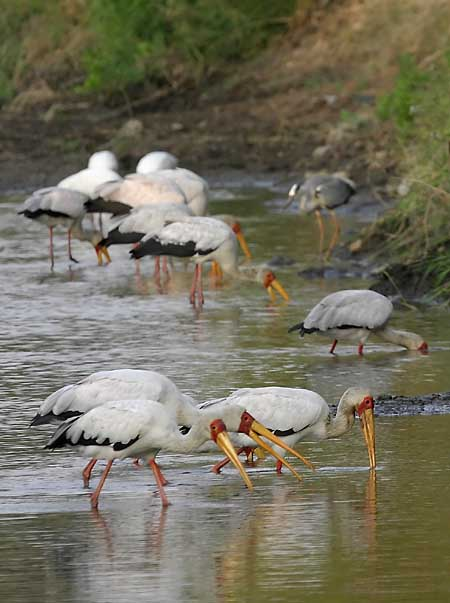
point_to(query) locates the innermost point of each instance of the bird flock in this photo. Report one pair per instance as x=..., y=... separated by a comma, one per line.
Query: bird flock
x=161, y=211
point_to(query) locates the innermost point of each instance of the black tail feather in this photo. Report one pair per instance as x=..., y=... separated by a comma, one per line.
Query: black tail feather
x=300, y=327
x=59, y=439
x=154, y=246
x=117, y=208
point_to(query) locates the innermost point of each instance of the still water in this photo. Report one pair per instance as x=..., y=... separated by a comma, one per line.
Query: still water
x=342, y=535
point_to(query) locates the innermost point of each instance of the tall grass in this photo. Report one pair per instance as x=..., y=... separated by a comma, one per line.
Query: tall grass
x=113, y=44
x=417, y=231
x=175, y=40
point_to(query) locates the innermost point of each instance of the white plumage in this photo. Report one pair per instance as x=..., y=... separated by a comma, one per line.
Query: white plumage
x=55, y=206
x=204, y=239
x=102, y=167
x=136, y=190
x=155, y=161
x=294, y=414
x=354, y=314
x=104, y=386
x=140, y=429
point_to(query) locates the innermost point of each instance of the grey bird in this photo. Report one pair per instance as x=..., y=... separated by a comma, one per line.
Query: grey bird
x=323, y=192
x=354, y=314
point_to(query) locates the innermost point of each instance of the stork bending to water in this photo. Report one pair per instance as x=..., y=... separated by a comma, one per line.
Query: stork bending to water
x=354, y=314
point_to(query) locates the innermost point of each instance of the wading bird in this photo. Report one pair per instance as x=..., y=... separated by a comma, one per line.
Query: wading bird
x=319, y=193
x=299, y=414
x=155, y=161
x=55, y=206
x=353, y=315
x=205, y=239
x=102, y=167
x=104, y=386
x=140, y=429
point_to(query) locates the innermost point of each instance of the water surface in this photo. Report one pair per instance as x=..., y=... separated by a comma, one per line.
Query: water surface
x=341, y=535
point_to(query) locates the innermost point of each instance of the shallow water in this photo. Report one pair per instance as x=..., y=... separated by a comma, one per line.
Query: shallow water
x=338, y=536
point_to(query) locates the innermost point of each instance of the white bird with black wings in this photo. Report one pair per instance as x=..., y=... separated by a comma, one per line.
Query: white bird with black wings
x=205, y=239
x=353, y=315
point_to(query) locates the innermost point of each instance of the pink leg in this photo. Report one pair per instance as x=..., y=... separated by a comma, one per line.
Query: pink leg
x=360, y=349
x=87, y=472
x=69, y=246
x=52, y=257
x=333, y=346
x=201, y=298
x=157, y=267
x=165, y=267
x=96, y=494
x=161, y=476
x=157, y=473
x=279, y=466
x=221, y=464
x=194, y=286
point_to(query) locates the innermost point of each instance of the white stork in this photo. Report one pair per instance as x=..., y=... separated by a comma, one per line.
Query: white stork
x=294, y=414
x=354, y=314
x=205, y=239
x=155, y=161
x=104, y=386
x=323, y=192
x=54, y=206
x=140, y=429
x=102, y=167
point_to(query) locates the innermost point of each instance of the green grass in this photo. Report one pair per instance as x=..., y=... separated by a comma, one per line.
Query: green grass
x=416, y=233
x=132, y=42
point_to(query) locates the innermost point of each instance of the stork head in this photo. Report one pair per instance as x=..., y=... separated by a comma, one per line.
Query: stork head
x=220, y=436
x=271, y=284
x=292, y=194
x=236, y=228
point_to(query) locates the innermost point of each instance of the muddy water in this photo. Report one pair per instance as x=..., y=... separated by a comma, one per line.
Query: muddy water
x=341, y=535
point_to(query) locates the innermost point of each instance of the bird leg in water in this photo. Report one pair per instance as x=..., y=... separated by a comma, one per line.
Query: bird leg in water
x=248, y=452
x=165, y=267
x=157, y=271
x=216, y=273
x=160, y=473
x=87, y=472
x=360, y=349
x=321, y=230
x=197, y=288
x=159, y=482
x=69, y=246
x=52, y=257
x=333, y=346
x=336, y=233
x=96, y=493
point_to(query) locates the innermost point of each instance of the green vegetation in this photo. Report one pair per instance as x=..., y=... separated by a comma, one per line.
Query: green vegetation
x=113, y=44
x=416, y=233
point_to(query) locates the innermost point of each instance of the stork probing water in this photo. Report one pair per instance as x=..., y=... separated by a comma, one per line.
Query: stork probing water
x=294, y=414
x=55, y=206
x=140, y=429
x=205, y=239
x=353, y=315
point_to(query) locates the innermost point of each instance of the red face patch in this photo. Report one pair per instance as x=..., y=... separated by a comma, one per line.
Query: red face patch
x=268, y=279
x=236, y=228
x=246, y=422
x=366, y=404
x=423, y=347
x=217, y=426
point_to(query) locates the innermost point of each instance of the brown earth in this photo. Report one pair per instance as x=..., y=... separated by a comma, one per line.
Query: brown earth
x=307, y=104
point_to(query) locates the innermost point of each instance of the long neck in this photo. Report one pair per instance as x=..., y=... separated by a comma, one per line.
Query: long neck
x=197, y=435
x=342, y=422
x=408, y=340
